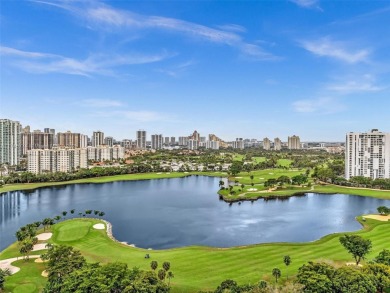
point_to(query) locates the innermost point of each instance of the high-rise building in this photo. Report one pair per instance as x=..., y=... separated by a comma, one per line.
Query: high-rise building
x=166, y=141
x=36, y=140
x=183, y=140
x=141, y=139
x=193, y=144
x=294, y=142
x=10, y=141
x=109, y=141
x=266, y=144
x=173, y=140
x=277, y=144
x=157, y=141
x=71, y=140
x=238, y=144
x=367, y=154
x=97, y=138
x=222, y=143
x=195, y=136
x=212, y=144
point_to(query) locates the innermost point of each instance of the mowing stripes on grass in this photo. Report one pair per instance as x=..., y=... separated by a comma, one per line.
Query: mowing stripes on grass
x=74, y=231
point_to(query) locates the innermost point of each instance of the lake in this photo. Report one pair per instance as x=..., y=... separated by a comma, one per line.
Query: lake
x=166, y=213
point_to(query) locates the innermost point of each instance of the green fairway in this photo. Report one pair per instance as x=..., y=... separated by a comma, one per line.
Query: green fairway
x=198, y=267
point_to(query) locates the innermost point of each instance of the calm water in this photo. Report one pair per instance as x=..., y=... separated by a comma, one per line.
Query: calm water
x=178, y=212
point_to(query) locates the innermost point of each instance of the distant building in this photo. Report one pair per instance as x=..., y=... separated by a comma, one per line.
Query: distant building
x=71, y=140
x=211, y=144
x=36, y=140
x=193, y=144
x=238, y=143
x=141, y=139
x=10, y=141
x=173, y=140
x=109, y=141
x=195, y=136
x=127, y=143
x=277, y=144
x=294, y=142
x=367, y=154
x=97, y=138
x=183, y=140
x=222, y=143
x=266, y=144
x=157, y=141
x=166, y=140
x=70, y=159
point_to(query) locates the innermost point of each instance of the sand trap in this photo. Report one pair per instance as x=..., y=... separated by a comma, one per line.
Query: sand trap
x=40, y=246
x=39, y=260
x=252, y=189
x=44, y=274
x=378, y=217
x=159, y=173
x=238, y=177
x=99, y=226
x=353, y=264
x=271, y=173
x=185, y=172
x=44, y=236
x=6, y=263
x=261, y=178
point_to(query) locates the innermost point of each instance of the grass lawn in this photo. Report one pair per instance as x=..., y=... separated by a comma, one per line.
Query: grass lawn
x=284, y=162
x=196, y=267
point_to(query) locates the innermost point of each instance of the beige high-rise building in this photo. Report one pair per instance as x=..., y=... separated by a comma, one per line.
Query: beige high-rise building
x=277, y=144
x=36, y=140
x=266, y=144
x=157, y=141
x=71, y=140
x=294, y=142
x=10, y=141
x=367, y=154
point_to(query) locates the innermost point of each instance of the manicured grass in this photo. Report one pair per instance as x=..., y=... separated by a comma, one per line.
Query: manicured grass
x=284, y=162
x=28, y=279
x=73, y=231
x=204, y=268
x=260, y=176
x=259, y=159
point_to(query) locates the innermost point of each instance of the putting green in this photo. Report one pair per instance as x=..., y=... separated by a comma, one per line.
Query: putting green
x=74, y=231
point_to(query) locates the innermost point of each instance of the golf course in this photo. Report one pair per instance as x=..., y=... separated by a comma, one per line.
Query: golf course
x=195, y=267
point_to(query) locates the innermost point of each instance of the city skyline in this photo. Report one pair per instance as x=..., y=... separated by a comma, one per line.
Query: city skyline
x=246, y=69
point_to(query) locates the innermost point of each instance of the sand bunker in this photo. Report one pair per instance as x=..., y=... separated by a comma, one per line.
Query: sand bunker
x=252, y=189
x=39, y=260
x=40, y=246
x=99, y=226
x=44, y=236
x=378, y=217
x=44, y=274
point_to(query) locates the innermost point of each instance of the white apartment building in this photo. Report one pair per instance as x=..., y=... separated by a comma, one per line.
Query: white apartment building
x=277, y=144
x=183, y=140
x=266, y=144
x=56, y=160
x=97, y=138
x=294, y=142
x=214, y=145
x=193, y=144
x=367, y=154
x=238, y=144
x=10, y=141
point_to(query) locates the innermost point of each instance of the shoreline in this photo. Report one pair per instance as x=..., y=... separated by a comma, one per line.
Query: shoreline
x=381, y=194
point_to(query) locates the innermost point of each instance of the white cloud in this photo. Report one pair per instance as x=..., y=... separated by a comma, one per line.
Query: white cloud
x=354, y=87
x=306, y=3
x=325, y=47
x=36, y=62
x=106, y=17
x=322, y=105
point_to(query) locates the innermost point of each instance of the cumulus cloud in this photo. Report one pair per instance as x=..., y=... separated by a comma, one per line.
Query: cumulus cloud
x=323, y=105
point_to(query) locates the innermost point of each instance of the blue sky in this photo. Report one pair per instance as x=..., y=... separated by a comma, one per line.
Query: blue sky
x=249, y=69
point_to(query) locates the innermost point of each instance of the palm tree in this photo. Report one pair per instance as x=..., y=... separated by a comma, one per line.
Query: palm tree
x=276, y=273
x=72, y=211
x=154, y=265
x=287, y=261
x=161, y=274
x=64, y=213
x=101, y=214
x=57, y=218
x=96, y=212
x=3, y=273
x=252, y=179
x=170, y=276
x=166, y=266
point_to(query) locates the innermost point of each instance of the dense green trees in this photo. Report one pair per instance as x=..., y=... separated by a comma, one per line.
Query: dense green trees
x=68, y=271
x=383, y=210
x=3, y=273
